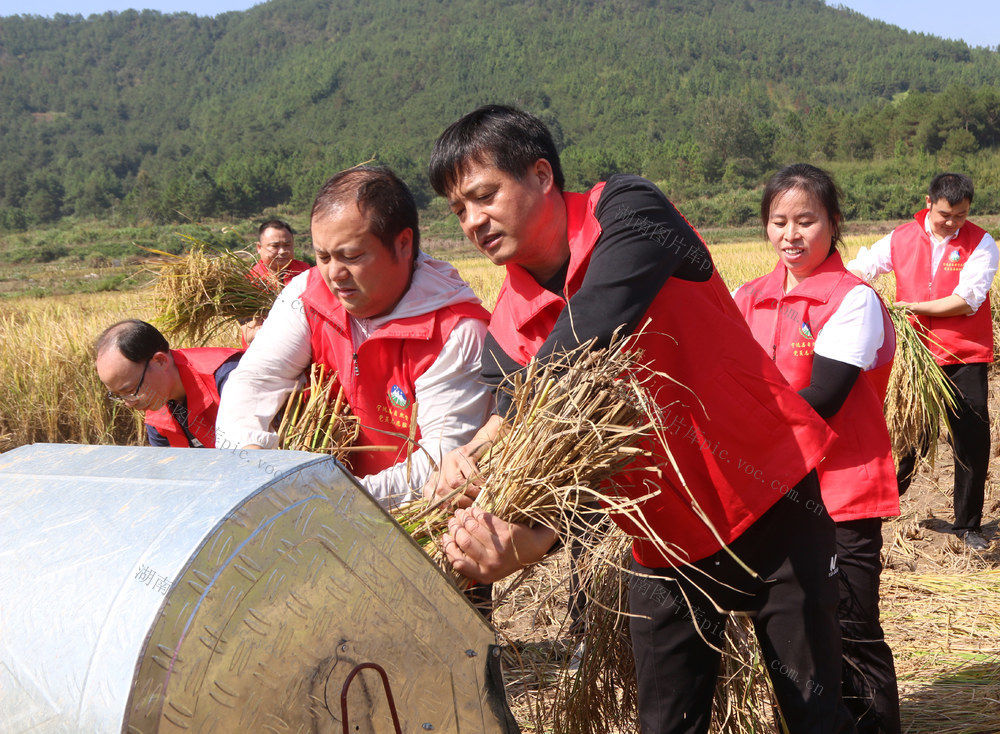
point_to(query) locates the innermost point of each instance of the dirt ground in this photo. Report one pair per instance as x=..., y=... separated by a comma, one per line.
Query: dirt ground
x=921, y=539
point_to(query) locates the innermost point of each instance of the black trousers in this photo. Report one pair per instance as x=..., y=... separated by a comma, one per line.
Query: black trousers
x=970, y=429
x=794, y=609
x=869, y=675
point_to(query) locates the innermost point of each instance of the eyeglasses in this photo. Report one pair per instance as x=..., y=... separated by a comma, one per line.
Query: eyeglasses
x=135, y=393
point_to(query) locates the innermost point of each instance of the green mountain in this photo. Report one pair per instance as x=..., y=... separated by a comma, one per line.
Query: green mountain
x=144, y=115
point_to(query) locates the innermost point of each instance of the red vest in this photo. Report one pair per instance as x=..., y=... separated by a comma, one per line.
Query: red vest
x=858, y=477
x=379, y=378
x=197, y=369
x=955, y=339
x=260, y=270
x=740, y=436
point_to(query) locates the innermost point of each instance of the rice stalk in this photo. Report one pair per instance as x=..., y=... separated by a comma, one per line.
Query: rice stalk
x=317, y=420
x=51, y=391
x=199, y=292
x=744, y=700
x=919, y=394
x=578, y=420
x=595, y=691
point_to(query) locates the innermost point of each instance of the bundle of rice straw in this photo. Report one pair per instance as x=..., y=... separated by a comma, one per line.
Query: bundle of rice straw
x=919, y=393
x=204, y=289
x=596, y=690
x=744, y=700
x=577, y=421
x=571, y=673
x=316, y=420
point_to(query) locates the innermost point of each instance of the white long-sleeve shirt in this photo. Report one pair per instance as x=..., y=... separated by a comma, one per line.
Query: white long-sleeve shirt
x=973, y=282
x=453, y=401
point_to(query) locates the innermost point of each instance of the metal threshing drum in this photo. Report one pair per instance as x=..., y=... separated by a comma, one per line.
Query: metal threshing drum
x=182, y=590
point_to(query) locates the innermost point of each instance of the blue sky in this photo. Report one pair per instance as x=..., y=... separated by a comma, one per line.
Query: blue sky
x=977, y=22
x=89, y=7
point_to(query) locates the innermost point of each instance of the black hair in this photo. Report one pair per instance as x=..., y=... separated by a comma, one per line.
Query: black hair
x=135, y=339
x=275, y=224
x=379, y=194
x=507, y=137
x=814, y=181
x=953, y=187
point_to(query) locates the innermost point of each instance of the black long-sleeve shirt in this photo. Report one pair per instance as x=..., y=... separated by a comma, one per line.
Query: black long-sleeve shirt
x=644, y=241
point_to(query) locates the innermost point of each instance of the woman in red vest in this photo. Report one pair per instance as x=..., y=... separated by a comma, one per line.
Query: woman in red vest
x=832, y=339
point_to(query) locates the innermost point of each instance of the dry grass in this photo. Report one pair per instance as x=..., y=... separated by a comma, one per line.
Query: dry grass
x=944, y=629
x=51, y=391
x=484, y=277
x=562, y=677
x=744, y=699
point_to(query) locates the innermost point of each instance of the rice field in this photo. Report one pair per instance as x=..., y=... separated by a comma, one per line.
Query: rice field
x=941, y=606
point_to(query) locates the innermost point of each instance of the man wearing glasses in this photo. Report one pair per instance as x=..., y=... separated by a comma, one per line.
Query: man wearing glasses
x=178, y=388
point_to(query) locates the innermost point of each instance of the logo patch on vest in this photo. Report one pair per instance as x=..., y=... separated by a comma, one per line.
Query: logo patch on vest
x=806, y=331
x=398, y=397
x=954, y=261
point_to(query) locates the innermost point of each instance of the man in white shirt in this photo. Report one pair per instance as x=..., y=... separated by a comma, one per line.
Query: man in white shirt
x=944, y=268
x=397, y=327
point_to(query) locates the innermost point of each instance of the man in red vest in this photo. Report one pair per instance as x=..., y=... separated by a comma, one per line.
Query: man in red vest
x=401, y=332
x=177, y=388
x=944, y=268
x=276, y=248
x=581, y=266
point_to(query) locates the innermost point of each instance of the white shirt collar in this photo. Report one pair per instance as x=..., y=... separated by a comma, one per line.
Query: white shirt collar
x=934, y=238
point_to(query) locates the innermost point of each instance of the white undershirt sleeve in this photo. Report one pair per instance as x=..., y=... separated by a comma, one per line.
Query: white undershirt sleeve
x=977, y=276
x=856, y=332
x=276, y=359
x=452, y=404
x=873, y=261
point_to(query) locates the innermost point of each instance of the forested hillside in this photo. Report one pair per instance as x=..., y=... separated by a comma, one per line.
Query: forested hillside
x=152, y=117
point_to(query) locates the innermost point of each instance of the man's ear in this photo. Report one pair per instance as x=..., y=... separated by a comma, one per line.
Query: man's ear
x=403, y=244
x=542, y=171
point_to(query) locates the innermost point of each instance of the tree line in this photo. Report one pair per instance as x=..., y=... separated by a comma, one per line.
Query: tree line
x=146, y=117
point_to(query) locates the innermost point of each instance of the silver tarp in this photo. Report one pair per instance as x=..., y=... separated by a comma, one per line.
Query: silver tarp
x=170, y=590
